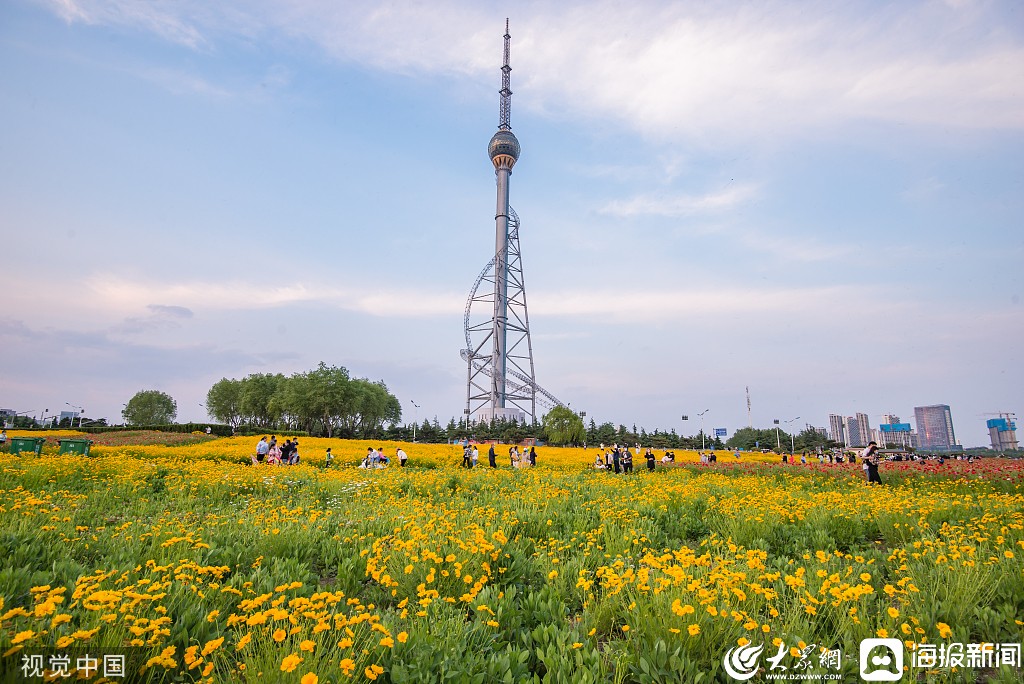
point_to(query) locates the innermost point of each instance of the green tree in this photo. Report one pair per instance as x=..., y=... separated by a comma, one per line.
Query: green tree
x=258, y=405
x=605, y=434
x=150, y=407
x=563, y=426
x=324, y=396
x=754, y=438
x=224, y=401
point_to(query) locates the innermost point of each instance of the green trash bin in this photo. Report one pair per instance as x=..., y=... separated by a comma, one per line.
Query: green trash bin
x=20, y=444
x=78, y=447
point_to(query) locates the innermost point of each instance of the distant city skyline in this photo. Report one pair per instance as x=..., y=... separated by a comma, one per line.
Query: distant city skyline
x=821, y=202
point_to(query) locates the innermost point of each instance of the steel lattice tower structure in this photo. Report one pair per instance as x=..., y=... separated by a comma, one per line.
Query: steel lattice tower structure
x=500, y=381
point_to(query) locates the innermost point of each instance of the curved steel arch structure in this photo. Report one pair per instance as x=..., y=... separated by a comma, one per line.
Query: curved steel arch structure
x=521, y=389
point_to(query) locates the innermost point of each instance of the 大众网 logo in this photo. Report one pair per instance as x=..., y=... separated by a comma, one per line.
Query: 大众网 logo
x=741, y=662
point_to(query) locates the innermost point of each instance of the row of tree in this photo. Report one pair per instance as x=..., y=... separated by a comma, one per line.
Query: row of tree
x=323, y=401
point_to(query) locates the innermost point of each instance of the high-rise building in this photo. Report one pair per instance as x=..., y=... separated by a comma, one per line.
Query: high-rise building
x=892, y=431
x=1003, y=433
x=935, y=427
x=836, y=429
x=858, y=430
x=864, y=428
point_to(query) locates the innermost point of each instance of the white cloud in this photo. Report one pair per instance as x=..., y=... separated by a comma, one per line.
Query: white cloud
x=681, y=205
x=125, y=295
x=668, y=70
x=663, y=304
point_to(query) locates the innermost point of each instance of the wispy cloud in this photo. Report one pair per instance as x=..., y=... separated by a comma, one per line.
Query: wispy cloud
x=123, y=294
x=668, y=70
x=666, y=304
x=681, y=205
x=170, y=21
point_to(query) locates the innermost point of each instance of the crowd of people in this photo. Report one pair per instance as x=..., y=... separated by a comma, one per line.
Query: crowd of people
x=268, y=451
x=375, y=458
x=615, y=458
x=619, y=459
x=516, y=458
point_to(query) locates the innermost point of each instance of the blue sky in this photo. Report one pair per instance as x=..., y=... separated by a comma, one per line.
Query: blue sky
x=823, y=203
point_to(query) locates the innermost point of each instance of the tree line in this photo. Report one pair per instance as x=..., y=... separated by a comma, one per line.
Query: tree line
x=324, y=401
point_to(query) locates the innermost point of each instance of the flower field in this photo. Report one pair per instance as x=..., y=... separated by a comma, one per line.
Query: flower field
x=206, y=568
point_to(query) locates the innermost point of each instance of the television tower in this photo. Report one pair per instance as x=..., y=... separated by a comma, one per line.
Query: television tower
x=499, y=354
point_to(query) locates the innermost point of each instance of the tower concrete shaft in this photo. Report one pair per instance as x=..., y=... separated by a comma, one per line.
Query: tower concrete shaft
x=502, y=172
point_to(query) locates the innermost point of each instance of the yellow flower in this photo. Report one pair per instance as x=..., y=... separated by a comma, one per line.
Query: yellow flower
x=553, y=574
x=24, y=636
x=944, y=630
x=65, y=641
x=373, y=671
x=625, y=628
x=212, y=645
x=893, y=612
x=742, y=641
x=577, y=644
x=387, y=642
x=243, y=642
x=307, y=645
x=348, y=665
x=492, y=623
x=865, y=577
x=290, y=662
x=1008, y=553
x=60, y=619
x=280, y=635
x=212, y=615
x=694, y=630
x=882, y=633
x=309, y=678
x=403, y=637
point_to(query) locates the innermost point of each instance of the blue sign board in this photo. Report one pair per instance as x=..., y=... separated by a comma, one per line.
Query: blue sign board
x=896, y=427
x=720, y=432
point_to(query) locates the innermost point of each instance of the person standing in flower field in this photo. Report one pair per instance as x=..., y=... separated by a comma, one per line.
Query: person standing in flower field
x=650, y=460
x=262, y=447
x=474, y=456
x=3, y=439
x=329, y=457
x=533, y=456
x=402, y=456
x=870, y=458
x=492, y=458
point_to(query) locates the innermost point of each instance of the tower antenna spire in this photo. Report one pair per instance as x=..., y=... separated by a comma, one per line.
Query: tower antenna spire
x=505, y=117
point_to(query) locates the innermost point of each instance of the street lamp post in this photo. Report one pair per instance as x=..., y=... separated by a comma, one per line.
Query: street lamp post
x=80, y=412
x=792, y=438
x=778, y=442
x=415, y=417
x=701, y=414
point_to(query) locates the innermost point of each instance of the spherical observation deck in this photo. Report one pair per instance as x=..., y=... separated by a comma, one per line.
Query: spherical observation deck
x=503, y=148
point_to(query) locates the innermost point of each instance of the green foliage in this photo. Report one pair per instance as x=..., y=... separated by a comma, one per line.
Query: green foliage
x=224, y=401
x=563, y=426
x=150, y=407
x=325, y=400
